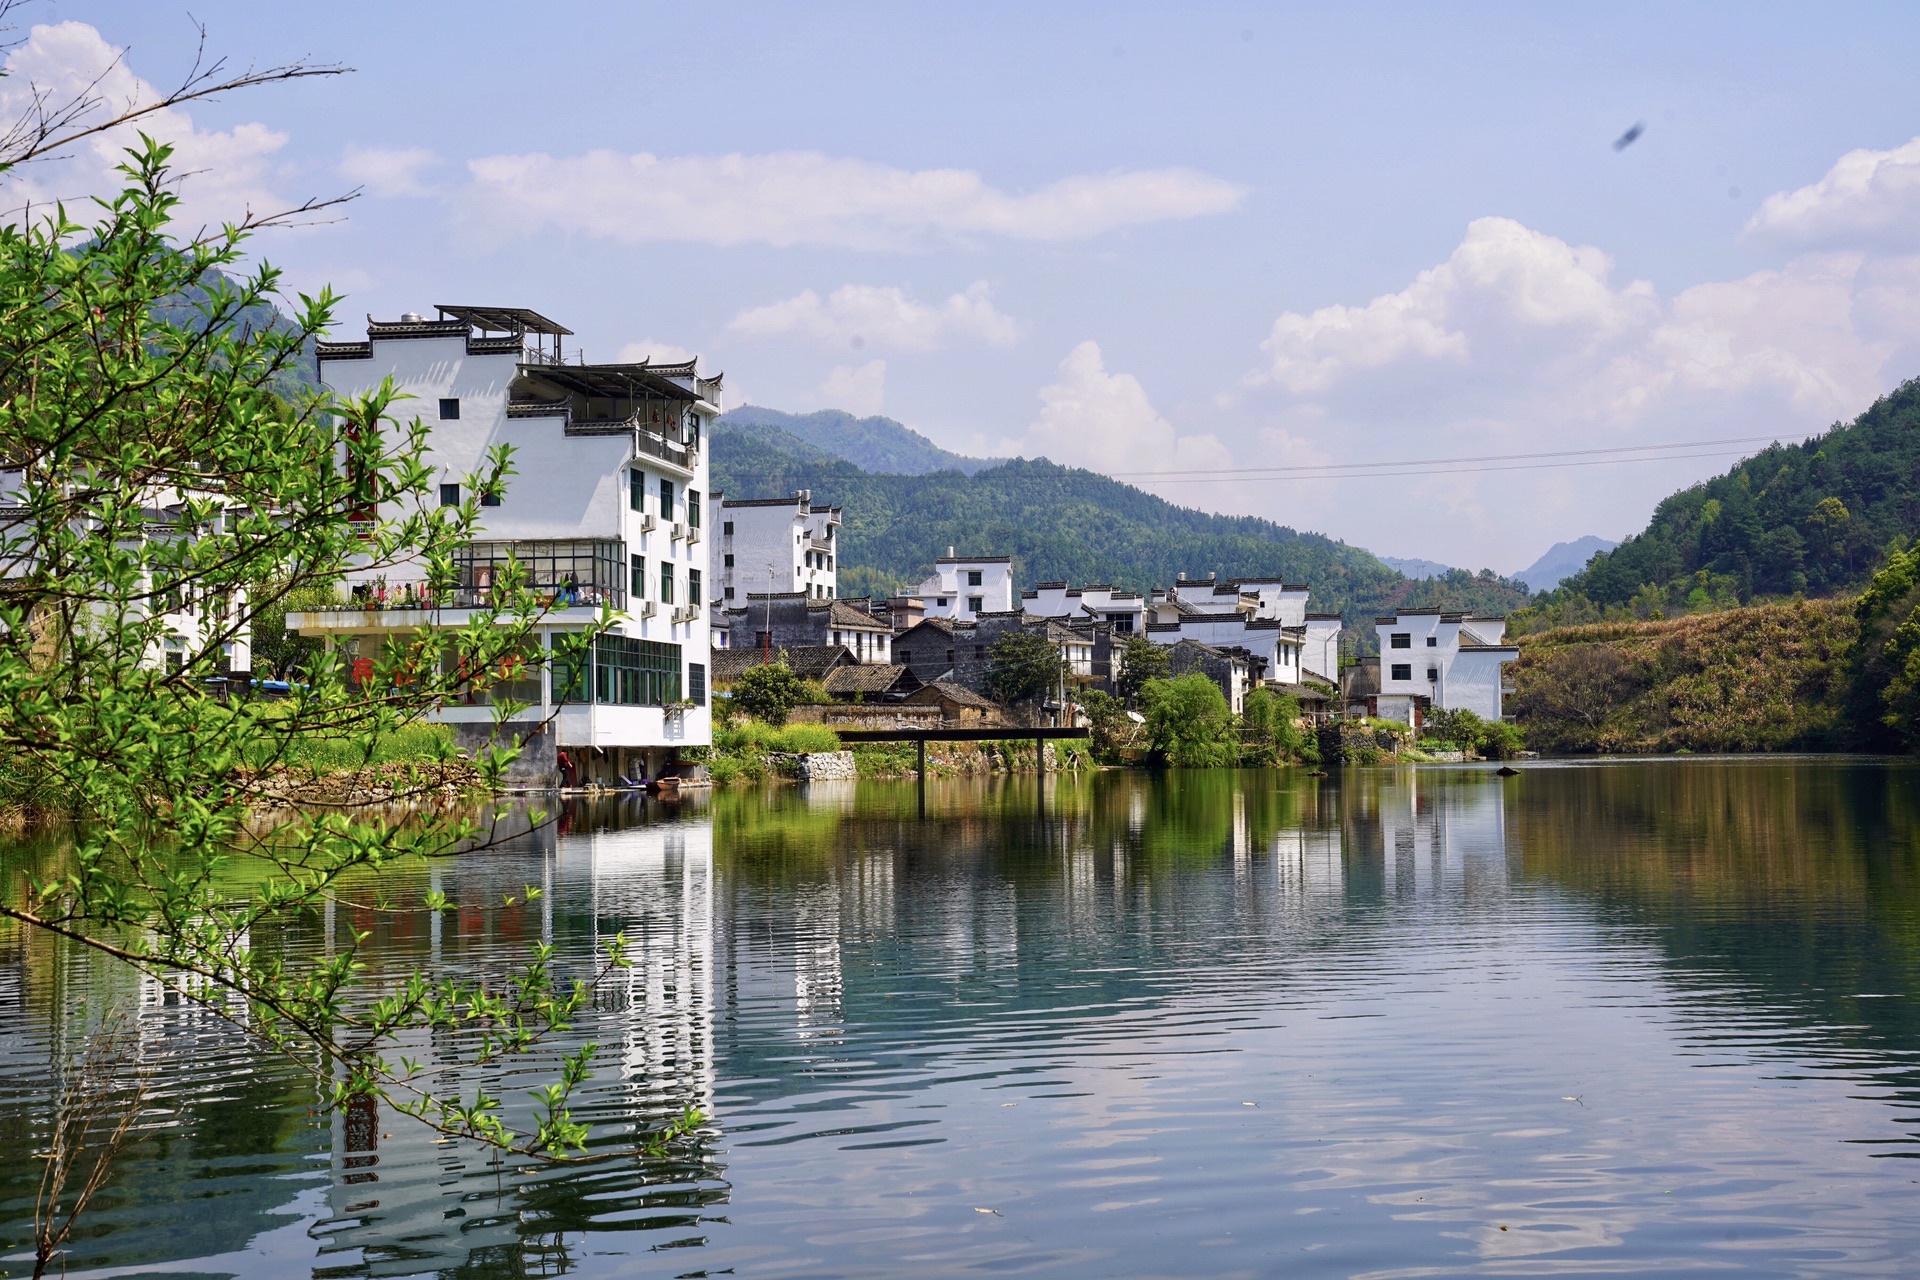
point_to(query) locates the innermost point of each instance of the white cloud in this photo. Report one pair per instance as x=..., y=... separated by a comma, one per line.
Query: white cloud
x=657, y=352
x=1104, y=421
x=388, y=171
x=223, y=173
x=1869, y=199
x=859, y=389
x=857, y=315
x=805, y=197
x=1522, y=342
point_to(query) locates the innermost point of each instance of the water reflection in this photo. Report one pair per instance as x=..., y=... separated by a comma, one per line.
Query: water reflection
x=1639, y=1016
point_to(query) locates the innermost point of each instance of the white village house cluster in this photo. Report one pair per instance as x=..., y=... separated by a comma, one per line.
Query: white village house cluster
x=611, y=506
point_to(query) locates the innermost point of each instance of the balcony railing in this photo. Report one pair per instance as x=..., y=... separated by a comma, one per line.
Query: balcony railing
x=405, y=596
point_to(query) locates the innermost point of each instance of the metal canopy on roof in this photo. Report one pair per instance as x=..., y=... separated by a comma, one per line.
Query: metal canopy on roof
x=504, y=319
x=609, y=380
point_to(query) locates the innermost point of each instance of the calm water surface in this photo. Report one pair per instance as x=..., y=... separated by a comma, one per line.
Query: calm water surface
x=1617, y=1018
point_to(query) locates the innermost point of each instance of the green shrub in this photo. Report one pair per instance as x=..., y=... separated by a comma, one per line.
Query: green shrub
x=1189, y=722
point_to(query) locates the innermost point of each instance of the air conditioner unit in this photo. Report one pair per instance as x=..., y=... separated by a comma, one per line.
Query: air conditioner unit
x=644, y=609
x=679, y=531
x=646, y=523
x=693, y=533
x=687, y=614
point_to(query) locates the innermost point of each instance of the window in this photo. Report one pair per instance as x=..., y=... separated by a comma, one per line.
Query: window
x=729, y=593
x=727, y=560
x=1400, y=640
x=949, y=657
x=697, y=683
x=1433, y=642
x=1433, y=673
x=943, y=601
x=489, y=499
x=1122, y=623
x=693, y=508
x=637, y=490
x=1402, y=671
x=694, y=585
x=450, y=410
x=829, y=564
x=666, y=498
x=973, y=577
x=727, y=528
x=974, y=603
x=637, y=570
x=666, y=583
x=583, y=572
x=449, y=495
x=620, y=671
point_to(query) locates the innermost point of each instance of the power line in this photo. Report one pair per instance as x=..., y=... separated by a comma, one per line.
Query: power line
x=1362, y=467
x=1226, y=478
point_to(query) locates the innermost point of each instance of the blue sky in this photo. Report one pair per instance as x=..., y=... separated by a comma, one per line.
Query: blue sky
x=1137, y=238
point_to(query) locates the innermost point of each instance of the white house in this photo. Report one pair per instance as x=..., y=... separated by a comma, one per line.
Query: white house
x=774, y=546
x=1126, y=611
x=963, y=588
x=1452, y=661
x=606, y=509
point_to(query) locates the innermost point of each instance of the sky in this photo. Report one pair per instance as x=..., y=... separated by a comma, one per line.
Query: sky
x=1245, y=241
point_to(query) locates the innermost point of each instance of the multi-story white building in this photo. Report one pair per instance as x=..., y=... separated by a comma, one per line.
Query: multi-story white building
x=1452, y=661
x=774, y=546
x=963, y=588
x=605, y=510
x=1095, y=602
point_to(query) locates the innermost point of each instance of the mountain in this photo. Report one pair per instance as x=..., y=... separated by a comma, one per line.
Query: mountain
x=1563, y=559
x=876, y=444
x=1416, y=568
x=1813, y=518
x=1060, y=523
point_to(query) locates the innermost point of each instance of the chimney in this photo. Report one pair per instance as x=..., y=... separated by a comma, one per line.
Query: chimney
x=949, y=553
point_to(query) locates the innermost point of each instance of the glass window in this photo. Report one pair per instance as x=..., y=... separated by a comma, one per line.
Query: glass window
x=450, y=410
x=974, y=603
x=693, y=508
x=637, y=571
x=694, y=586
x=666, y=498
x=574, y=571
x=490, y=500
x=729, y=593
x=666, y=583
x=727, y=560
x=1400, y=640
x=973, y=577
x=449, y=495
x=697, y=683
x=1402, y=671
x=1433, y=673
x=727, y=528
x=621, y=672
x=1433, y=642
x=637, y=490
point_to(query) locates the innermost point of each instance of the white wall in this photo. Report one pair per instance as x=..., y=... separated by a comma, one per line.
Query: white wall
x=1464, y=680
x=950, y=584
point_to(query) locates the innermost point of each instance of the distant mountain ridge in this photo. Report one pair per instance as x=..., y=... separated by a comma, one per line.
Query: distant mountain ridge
x=1417, y=568
x=1563, y=560
x=1059, y=524
x=874, y=444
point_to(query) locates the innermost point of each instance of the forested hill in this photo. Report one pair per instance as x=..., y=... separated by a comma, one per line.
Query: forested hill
x=877, y=444
x=1813, y=518
x=1059, y=523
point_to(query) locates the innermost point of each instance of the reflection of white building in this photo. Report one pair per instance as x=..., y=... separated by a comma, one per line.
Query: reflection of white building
x=405, y=1201
x=1437, y=831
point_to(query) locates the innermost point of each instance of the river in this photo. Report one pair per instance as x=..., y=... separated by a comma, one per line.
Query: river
x=1642, y=1017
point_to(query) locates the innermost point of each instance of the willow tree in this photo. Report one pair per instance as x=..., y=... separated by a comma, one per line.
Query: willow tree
x=156, y=450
